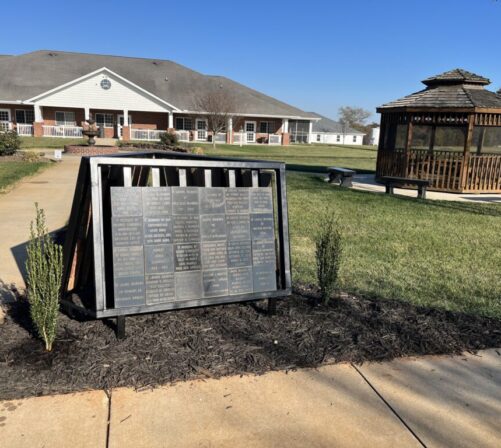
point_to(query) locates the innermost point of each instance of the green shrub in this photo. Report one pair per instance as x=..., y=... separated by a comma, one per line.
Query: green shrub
x=168, y=139
x=30, y=156
x=9, y=143
x=328, y=255
x=44, y=267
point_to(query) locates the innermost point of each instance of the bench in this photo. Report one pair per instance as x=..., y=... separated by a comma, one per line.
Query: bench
x=342, y=175
x=392, y=182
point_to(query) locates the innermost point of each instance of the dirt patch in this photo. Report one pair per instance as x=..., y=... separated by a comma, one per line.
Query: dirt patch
x=228, y=340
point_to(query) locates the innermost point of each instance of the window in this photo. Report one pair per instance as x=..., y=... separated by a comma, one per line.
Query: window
x=250, y=126
x=4, y=114
x=65, y=118
x=354, y=139
x=25, y=116
x=266, y=127
x=184, y=124
x=319, y=137
x=104, y=120
x=338, y=138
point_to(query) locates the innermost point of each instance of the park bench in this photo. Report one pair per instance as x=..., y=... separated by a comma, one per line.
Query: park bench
x=392, y=182
x=342, y=175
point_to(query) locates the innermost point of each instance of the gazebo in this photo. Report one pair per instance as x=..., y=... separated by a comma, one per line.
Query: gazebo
x=449, y=133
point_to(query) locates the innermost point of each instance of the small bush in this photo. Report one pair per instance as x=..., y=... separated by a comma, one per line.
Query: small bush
x=9, y=143
x=328, y=255
x=30, y=156
x=45, y=268
x=196, y=150
x=168, y=139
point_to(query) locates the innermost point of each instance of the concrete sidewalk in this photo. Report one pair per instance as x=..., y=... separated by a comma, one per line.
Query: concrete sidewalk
x=53, y=189
x=431, y=401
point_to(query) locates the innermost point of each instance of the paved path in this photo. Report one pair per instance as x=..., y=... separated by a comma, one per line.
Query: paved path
x=431, y=401
x=53, y=190
x=366, y=182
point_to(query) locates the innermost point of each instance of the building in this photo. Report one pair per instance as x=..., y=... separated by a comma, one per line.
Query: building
x=329, y=131
x=51, y=93
x=374, y=136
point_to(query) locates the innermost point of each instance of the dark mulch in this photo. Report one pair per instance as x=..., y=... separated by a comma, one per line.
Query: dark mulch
x=228, y=340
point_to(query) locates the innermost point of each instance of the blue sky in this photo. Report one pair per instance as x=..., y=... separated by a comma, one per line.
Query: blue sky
x=315, y=55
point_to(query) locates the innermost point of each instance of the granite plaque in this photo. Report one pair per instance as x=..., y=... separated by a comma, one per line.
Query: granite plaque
x=215, y=283
x=239, y=254
x=237, y=200
x=187, y=256
x=261, y=200
x=160, y=288
x=240, y=280
x=262, y=226
x=188, y=285
x=127, y=231
x=188, y=243
x=185, y=201
x=238, y=227
x=213, y=227
x=157, y=201
x=212, y=201
x=264, y=278
x=214, y=255
x=158, y=259
x=157, y=229
x=126, y=201
x=186, y=228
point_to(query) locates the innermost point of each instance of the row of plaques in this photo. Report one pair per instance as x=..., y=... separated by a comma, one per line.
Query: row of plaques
x=189, y=243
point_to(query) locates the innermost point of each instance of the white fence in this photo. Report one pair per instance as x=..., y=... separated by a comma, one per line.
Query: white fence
x=62, y=131
x=221, y=137
x=24, y=130
x=239, y=138
x=183, y=136
x=274, y=139
x=5, y=126
x=146, y=134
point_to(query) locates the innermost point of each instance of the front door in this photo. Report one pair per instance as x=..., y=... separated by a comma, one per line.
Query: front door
x=120, y=125
x=250, y=131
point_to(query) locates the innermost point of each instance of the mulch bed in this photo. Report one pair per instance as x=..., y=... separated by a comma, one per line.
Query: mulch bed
x=228, y=340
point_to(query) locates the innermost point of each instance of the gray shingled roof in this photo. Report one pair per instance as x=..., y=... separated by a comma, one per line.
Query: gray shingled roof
x=28, y=75
x=454, y=89
x=327, y=125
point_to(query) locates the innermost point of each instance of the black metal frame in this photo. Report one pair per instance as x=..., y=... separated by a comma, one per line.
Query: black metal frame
x=253, y=172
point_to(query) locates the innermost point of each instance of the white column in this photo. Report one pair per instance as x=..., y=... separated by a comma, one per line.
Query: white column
x=285, y=125
x=126, y=117
x=87, y=113
x=38, y=113
x=171, y=120
x=310, y=132
x=230, y=125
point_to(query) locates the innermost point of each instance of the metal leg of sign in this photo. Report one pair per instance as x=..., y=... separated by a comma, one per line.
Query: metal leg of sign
x=272, y=306
x=120, y=330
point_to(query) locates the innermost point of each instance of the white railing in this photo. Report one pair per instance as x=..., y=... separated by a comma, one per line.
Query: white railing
x=24, y=130
x=62, y=131
x=238, y=138
x=274, y=139
x=183, y=136
x=5, y=126
x=221, y=137
x=150, y=135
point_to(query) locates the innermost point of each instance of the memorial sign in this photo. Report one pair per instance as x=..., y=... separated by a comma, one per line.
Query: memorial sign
x=204, y=243
x=162, y=231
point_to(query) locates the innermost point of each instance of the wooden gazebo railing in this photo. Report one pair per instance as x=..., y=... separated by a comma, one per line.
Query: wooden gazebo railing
x=450, y=171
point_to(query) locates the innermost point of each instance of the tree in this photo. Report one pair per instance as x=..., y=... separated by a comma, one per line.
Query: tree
x=218, y=107
x=352, y=117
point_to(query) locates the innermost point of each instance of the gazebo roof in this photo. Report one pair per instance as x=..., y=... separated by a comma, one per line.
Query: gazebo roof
x=455, y=89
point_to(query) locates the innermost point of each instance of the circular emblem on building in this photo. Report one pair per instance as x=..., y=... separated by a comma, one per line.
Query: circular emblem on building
x=106, y=84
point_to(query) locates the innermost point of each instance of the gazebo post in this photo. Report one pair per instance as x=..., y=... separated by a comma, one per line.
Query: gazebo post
x=466, y=151
x=408, y=143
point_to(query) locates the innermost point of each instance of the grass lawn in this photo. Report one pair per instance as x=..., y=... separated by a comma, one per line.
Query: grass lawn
x=11, y=172
x=48, y=142
x=304, y=157
x=440, y=254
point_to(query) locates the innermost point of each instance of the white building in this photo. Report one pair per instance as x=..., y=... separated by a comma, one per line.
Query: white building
x=328, y=131
x=374, y=136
